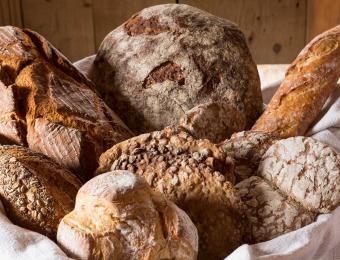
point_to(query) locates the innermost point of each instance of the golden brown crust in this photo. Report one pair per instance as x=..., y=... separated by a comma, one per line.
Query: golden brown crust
x=36, y=191
x=309, y=81
x=55, y=106
x=195, y=175
x=118, y=216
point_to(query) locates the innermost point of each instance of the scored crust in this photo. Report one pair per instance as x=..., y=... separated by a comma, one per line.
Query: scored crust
x=118, y=216
x=247, y=149
x=36, y=191
x=306, y=170
x=192, y=173
x=269, y=212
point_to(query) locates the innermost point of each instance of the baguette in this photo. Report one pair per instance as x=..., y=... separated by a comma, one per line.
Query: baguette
x=309, y=81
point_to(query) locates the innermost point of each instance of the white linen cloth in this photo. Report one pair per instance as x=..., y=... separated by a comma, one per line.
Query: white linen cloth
x=319, y=240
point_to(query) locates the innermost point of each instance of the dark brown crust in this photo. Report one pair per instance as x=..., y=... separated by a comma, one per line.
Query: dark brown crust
x=46, y=88
x=136, y=25
x=309, y=81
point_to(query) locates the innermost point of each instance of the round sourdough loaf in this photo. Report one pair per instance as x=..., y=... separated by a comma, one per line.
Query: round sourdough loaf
x=118, y=216
x=167, y=59
x=35, y=191
x=305, y=170
x=270, y=213
x=195, y=175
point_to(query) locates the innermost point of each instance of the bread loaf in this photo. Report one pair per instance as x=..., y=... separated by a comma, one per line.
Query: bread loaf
x=195, y=175
x=247, y=149
x=305, y=170
x=118, y=216
x=35, y=191
x=50, y=106
x=309, y=81
x=168, y=59
x=270, y=212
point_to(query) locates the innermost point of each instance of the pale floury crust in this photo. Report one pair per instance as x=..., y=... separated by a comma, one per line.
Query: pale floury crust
x=118, y=216
x=167, y=59
x=270, y=212
x=305, y=170
x=195, y=175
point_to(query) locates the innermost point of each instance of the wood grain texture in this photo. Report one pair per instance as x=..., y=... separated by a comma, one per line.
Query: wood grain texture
x=275, y=30
x=67, y=24
x=10, y=12
x=108, y=14
x=322, y=15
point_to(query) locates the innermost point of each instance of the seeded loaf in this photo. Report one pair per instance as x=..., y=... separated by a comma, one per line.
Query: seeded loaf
x=50, y=106
x=309, y=81
x=118, y=216
x=192, y=173
x=305, y=170
x=270, y=212
x=168, y=59
x=35, y=191
x=247, y=149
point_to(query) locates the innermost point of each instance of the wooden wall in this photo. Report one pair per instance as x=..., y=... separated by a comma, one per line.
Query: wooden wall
x=276, y=30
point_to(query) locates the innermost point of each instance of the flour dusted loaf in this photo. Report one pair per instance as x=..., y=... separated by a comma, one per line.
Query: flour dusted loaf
x=247, y=149
x=168, y=59
x=192, y=173
x=309, y=81
x=50, y=107
x=270, y=212
x=305, y=170
x=118, y=216
x=35, y=191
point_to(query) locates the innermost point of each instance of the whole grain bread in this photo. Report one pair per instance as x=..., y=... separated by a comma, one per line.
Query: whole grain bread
x=305, y=170
x=35, y=191
x=168, y=59
x=195, y=175
x=309, y=81
x=50, y=106
x=118, y=216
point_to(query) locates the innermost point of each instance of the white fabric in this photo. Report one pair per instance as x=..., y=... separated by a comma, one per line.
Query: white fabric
x=21, y=244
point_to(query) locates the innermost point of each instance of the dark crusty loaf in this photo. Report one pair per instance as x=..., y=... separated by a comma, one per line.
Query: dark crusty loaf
x=118, y=216
x=167, y=59
x=309, y=81
x=35, y=191
x=192, y=173
x=50, y=106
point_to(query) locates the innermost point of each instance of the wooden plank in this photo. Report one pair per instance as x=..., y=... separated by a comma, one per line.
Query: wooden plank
x=10, y=12
x=108, y=14
x=275, y=30
x=322, y=15
x=67, y=24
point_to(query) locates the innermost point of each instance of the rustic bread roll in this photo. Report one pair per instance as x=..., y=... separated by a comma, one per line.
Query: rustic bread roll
x=305, y=170
x=309, y=81
x=192, y=173
x=167, y=59
x=118, y=216
x=247, y=149
x=269, y=212
x=51, y=107
x=213, y=121
x=35, y=191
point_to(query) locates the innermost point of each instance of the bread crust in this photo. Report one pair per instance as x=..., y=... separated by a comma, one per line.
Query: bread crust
x=118, y=216
x=195, y=175
x=309, y=81
x=35, y=191
x=55, y=109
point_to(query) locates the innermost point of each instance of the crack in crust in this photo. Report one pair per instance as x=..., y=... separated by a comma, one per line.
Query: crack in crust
x=137, y=25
